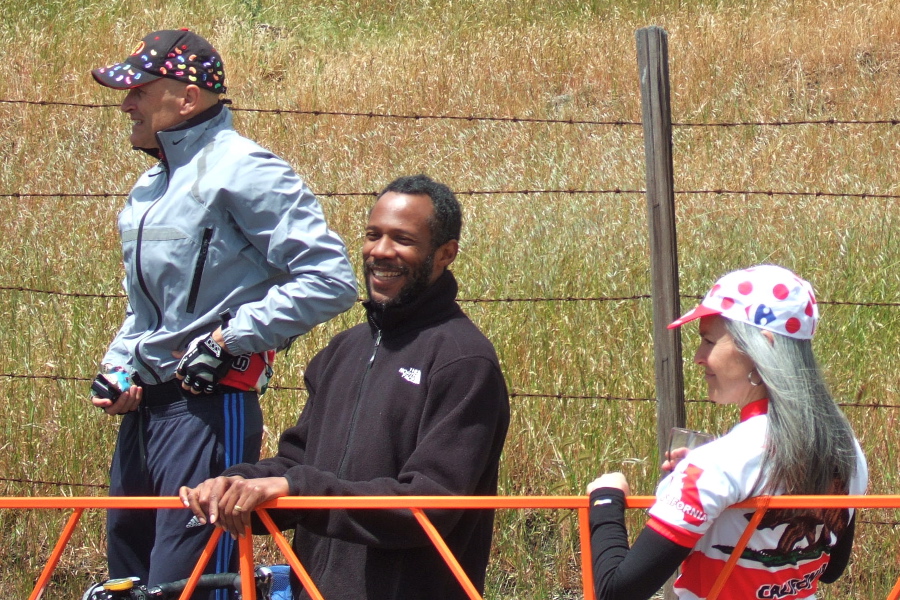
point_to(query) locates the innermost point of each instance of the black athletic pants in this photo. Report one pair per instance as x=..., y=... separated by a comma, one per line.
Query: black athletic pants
x=162, y=446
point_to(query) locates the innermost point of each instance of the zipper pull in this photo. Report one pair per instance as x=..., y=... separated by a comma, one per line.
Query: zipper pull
x=375, y=349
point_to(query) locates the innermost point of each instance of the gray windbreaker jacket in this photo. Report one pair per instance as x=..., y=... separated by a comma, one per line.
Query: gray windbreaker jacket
x=223, y=224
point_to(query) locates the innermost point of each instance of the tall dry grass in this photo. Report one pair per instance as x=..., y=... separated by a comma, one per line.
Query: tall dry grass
x=750, y=61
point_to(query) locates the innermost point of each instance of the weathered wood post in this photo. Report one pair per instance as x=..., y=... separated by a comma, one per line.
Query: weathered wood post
x=653, y=70
x=656, y=115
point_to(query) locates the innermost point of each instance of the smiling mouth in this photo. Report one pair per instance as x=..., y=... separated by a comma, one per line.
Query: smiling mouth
x=385, y=272
x=381, y=274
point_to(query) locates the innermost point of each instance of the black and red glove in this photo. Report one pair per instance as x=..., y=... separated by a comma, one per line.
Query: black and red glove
x=203, y=365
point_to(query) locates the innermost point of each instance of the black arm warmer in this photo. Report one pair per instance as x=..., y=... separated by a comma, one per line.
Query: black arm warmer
x=620, y=574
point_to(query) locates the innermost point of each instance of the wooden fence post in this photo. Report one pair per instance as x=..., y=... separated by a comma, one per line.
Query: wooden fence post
x=656, y=115
x=653, y=69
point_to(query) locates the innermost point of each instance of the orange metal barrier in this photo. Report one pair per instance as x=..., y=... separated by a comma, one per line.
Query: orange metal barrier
x=417, y=504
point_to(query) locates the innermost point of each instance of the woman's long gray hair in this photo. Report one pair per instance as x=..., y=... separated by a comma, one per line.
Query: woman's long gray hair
x=810, y=447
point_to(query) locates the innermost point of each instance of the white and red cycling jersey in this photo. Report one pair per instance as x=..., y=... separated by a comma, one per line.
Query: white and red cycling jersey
x=786, y=554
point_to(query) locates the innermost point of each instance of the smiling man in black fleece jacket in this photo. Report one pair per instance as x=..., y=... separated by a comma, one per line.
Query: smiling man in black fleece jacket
x=412, y=402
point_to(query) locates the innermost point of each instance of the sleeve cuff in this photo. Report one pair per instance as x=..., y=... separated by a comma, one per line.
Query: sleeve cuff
x=607, y=505
x=607, y=495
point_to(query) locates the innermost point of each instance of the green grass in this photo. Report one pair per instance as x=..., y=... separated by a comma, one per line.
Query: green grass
x=562, y=59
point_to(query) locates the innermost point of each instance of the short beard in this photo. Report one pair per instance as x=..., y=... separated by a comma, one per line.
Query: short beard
x=409, y=293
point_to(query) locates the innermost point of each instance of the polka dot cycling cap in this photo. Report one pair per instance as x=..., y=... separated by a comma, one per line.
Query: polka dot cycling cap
x=765, y=296
x=178, y=54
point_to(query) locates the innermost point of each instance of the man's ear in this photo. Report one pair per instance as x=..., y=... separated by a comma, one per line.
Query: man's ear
x=446, y=254
x=769, y=336
x=190, y=101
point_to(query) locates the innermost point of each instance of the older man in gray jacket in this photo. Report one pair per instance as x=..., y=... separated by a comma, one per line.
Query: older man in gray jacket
x=227, y=259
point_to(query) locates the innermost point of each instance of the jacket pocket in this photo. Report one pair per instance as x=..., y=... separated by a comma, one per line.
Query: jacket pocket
x=198, y=270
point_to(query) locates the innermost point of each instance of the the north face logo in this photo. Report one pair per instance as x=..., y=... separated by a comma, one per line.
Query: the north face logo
x=411, y=375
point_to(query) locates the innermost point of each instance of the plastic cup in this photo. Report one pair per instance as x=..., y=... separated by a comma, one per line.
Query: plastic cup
x=679, y=437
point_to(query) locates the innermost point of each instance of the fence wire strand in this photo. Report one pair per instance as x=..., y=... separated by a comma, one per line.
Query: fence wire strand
x=512, y=394
x=472, y=118
x=506, y=300
x=526, y=192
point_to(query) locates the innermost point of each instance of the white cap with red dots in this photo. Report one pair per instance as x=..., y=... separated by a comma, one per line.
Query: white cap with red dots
x=765, y=296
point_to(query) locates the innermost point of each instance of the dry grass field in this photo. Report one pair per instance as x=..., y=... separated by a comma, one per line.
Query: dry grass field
x=730, y=62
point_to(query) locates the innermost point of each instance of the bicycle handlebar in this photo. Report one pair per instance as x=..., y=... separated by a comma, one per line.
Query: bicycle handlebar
x=166, y=591
x=211, y=581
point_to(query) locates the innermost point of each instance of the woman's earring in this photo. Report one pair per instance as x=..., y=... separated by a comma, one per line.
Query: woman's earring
x=750, y=379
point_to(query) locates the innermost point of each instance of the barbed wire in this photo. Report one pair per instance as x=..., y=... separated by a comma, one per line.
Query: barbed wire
x=556, y=299
x=508, y=119
x=365, y=114
x=373, y=194
x=15, y=288
x=512, y=394
x=773, y=193
x=56, y=483
x=48, y=377
x=830, y=121
x=509, y=300
x=122, y=295
x=561, y=396
x=527, y=192
x=888, y=523
x=57, y=103
x=419, y=117
x=63, y=195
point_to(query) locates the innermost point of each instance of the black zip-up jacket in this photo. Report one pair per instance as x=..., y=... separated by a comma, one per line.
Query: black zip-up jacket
x=411, y=403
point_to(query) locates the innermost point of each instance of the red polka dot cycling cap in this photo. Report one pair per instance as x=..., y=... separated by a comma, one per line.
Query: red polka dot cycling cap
x=765, y=296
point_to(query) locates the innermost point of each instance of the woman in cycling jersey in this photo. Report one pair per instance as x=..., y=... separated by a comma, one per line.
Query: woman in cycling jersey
x=756, y=327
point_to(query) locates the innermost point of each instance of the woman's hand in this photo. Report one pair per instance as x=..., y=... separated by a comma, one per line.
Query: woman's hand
x=675, y=456
x=610, y=480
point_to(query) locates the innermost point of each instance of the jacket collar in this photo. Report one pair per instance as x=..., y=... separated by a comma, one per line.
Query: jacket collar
x=437, y=303
x=177, y=144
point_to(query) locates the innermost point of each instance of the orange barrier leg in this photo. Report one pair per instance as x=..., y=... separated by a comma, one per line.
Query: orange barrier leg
x=288, y=553
x=451, y=561
x=739, y=549
x=587, y=567
x=61, y=543
x=895, y=593
x=245, y=544
x=201, y=564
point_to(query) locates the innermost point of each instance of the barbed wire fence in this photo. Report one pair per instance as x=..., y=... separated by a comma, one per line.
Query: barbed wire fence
x=506, y=119
x=862, y=195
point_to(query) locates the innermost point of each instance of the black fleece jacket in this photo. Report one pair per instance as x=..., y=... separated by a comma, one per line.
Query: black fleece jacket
x=412, y=402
